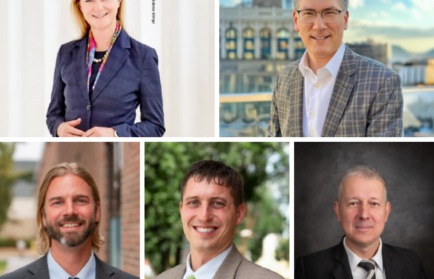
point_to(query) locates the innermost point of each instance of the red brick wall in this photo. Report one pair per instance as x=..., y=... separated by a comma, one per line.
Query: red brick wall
x=130, y=207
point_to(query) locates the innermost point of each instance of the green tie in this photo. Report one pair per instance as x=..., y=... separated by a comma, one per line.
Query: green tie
x=191, y=277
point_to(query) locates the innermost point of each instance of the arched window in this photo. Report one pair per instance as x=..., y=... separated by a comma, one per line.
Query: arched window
x=282, y=44
x=265, y=44
x=299, y=46
x=249, y=43
x=231, y=43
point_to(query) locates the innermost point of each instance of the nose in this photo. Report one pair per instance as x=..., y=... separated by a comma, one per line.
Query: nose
x=319, y=23
x=70, y=209
x=205, y=214
x=98, y=5
x=364, y=211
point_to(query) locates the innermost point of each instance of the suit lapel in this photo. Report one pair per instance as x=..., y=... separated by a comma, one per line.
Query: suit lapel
x=80, y=67
x=343, y=270
x=38, y=269
x=391, y=265
x=102, y=269
x=230, y=265
x=341, y=92
x=116, y=59
x=296, y=101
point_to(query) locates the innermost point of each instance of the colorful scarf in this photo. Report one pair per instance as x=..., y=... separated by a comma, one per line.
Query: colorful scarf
x=91, y=47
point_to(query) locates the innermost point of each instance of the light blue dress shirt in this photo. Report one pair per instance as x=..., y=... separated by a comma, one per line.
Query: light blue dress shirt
x=57, y=272
x=208, y=270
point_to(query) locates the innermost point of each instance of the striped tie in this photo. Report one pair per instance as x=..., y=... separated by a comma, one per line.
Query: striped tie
x=191, y=277
x=369, y=266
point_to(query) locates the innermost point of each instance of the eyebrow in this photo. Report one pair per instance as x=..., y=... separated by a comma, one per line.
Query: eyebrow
x=60, y=197
x=212, y=198
x=328, y=8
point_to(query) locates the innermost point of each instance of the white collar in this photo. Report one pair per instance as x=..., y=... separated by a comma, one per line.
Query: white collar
x=56, y=271
x=355, y=260
x=208, y=270
x=332, y=66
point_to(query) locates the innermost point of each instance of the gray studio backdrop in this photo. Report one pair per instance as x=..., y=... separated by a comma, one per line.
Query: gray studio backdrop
x=409, y=171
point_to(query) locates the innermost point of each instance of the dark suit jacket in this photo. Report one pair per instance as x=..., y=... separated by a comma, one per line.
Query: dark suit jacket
x=366, y=101
x=130, y=78
x=332, y=263
x=39, y=270
x=234, y=266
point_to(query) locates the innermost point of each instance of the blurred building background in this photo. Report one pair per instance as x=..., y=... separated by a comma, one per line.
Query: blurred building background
x=115, y=168
x=257, y=40
x=262, y=237
x=181, y=32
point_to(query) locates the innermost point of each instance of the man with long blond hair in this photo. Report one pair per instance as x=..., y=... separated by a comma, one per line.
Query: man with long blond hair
x=68, y=217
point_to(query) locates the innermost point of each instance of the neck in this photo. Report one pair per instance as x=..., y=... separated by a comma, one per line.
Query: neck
x=103, y=37
x=316, y=63
x=364, y=252
x=71, y=259
x=199, y=258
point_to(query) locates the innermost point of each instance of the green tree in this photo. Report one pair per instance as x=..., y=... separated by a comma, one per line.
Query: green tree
x=165, y=165
x=8, y=178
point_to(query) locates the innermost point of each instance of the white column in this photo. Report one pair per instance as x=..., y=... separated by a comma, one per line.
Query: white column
x=257, y=30
x=291, y=51
x=223, y=28
x=4, y=68
x=240, y=40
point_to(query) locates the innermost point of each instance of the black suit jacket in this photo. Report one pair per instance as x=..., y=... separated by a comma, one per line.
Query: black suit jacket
x=332, y=263
x=39, y=270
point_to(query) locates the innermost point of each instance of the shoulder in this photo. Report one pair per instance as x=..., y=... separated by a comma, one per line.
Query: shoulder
x=174, y=273
x=32, y=268
x=290, y=69
x=322, y=256
x=69, y=46
x=372, y=67
x=139, y=49
x=404, y=254
x=248, y=269
x=111, y=271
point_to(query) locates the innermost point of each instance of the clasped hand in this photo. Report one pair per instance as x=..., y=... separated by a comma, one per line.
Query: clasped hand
x=67, y=129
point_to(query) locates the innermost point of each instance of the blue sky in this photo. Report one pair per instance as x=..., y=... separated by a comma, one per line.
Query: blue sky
x=407, y=23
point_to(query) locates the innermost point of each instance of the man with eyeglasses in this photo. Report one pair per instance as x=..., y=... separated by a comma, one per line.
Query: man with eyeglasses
x=332, y=91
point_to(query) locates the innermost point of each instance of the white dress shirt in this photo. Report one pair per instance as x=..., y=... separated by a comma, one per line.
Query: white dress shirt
x=208, y=270
x=57, y=272
x=357, y=271
x=318, y=91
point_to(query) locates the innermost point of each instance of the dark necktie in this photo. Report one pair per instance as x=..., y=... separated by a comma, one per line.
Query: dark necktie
x=73, y=278
x=369, y=266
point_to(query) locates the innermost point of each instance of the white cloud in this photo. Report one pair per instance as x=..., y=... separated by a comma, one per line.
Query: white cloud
x=356, y=3
x=424, y=5
x=416, y=14
x=384, y=14
x=386, y=1
x=399, y=7
x=373, y=15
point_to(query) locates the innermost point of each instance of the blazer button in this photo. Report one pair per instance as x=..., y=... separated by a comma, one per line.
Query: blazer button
x=88, y=107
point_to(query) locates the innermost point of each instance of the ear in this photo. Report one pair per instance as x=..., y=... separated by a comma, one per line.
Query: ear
x=241, y=211
x=346, y=17
x=388, y=209
x=336, y=209
x=98, y=212
x=295, y=17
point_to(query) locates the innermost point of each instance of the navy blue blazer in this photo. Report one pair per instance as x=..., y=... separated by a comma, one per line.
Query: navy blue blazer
x=130, y=78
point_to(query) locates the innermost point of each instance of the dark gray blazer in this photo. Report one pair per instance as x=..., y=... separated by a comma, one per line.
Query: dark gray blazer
x=39, y=270
x=366, y=101
x=332, y=263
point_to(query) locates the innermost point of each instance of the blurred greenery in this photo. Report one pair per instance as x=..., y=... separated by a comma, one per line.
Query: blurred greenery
x=13, y=242
x=2, y=266
x=166, y=164
x=8, y=178
x=282, y=251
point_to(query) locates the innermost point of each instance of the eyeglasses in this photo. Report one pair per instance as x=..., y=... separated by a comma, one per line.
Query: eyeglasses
x=309, y=16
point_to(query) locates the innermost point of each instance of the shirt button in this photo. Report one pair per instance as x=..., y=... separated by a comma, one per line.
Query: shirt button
x=317, y=85
x=88, y=107
x=312, y=114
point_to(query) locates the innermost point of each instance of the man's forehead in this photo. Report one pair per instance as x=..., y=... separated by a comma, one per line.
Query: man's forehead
x=320, y=4
x=67, y=185
x=202, y=188
x=360, y=184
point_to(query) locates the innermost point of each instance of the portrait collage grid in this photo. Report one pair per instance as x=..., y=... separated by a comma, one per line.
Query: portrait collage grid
x=233, y=139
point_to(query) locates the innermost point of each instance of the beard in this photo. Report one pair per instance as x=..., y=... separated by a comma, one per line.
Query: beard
x=71, y=239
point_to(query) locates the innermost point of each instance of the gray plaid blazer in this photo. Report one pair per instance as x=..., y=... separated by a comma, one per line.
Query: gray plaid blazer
x=366, y=101
x=234, y=266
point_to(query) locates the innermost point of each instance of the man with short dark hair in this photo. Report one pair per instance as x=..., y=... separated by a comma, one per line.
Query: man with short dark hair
x=332, y=91
x=211, y=207
x=362, y=208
